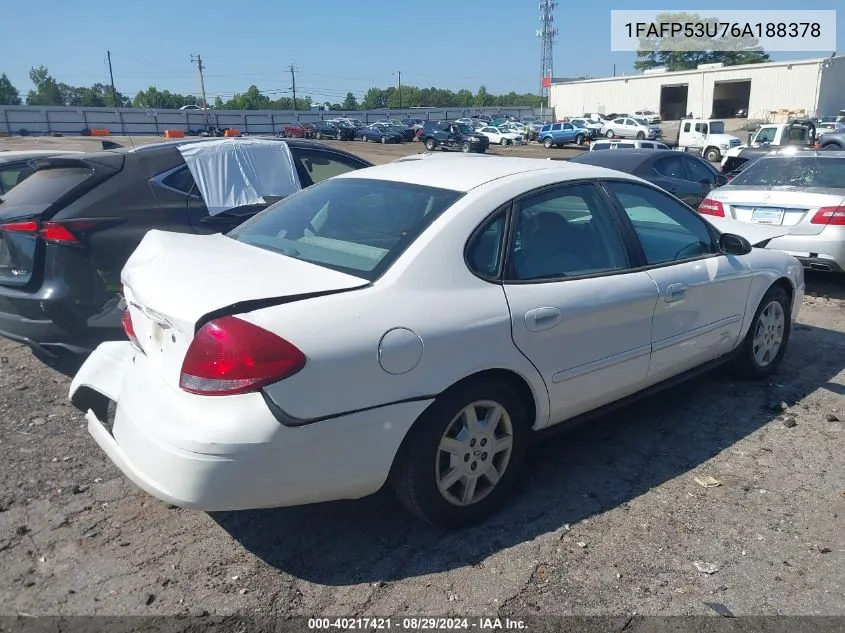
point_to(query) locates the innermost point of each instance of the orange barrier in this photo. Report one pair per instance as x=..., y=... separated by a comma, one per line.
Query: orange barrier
x=100, y=132
x=231, y=132
x=174, y=134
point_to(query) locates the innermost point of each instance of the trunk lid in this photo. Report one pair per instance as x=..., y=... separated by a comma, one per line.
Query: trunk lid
x=779, y=206
x=174, y=282
x=56, y=182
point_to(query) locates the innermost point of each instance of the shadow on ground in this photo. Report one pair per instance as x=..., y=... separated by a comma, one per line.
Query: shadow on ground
x=602, y=465
x=828, y=285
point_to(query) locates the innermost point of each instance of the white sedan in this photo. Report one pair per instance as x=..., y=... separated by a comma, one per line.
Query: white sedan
x=419, y=322
x=502, y=137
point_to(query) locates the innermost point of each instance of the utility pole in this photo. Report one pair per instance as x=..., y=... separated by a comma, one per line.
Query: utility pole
x=198, y=60
x=399, y=72
x=293, y=84
x=111, y=76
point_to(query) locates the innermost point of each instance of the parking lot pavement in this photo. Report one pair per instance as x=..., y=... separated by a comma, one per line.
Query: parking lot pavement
x=609, y=521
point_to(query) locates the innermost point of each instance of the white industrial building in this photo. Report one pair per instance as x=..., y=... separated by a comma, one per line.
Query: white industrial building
x=794, y=88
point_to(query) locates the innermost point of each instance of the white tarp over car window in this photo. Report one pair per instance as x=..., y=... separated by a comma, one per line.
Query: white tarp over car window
x=237, y=172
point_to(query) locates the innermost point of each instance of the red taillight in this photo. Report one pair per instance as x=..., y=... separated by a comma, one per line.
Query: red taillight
x=709, y=206
x=50, y=231
x=830, y=216
x=55, y=232
x=20, y=227
x=126, y=321
x=229, y=356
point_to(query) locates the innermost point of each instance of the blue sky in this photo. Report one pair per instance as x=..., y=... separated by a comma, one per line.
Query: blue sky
x=336, y=46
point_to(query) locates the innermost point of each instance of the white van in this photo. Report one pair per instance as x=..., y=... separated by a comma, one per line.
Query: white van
x=632, y=144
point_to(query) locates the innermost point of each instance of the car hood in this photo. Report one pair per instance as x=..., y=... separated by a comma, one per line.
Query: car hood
x=756, y=234
x=182, y=277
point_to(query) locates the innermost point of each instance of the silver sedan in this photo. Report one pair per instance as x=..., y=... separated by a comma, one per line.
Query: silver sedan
x=628, y=127
x=804, y=192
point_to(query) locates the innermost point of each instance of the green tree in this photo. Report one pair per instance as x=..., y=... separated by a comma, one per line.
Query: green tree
x=483, y=98
x=374, y=99
x=46, y=91
x=686, y=53
x=350, y=103
x=9, y=95
x=218, y=103
x=153, y=98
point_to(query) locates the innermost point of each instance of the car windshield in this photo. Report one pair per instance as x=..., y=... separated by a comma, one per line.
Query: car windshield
x=641, y=121
x=354, y=225
x=578, y=124
x=795, y=171
x=717, y=127
x=465, y=129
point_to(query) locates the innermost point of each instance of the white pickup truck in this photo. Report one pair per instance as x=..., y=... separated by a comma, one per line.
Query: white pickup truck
x=706, y=137
x=769, y=137
x=774, y=134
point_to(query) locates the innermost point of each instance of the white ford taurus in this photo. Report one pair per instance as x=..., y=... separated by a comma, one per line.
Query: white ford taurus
x=418, y=322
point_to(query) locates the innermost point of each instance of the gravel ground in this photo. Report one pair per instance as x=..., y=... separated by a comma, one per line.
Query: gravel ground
x=610, y=520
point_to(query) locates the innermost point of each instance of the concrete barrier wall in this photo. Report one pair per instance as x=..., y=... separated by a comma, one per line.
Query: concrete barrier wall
x=40, y=120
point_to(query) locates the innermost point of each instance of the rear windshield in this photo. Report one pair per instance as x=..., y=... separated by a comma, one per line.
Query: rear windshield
x=46, y=186
x=799, y=171
x=356, y=226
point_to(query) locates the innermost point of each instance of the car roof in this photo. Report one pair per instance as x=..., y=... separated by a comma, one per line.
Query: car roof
x=9, y=156
x=464, y=172
x=628, y=158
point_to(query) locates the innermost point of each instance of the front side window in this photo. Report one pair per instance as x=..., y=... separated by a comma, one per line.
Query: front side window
x=314, y=165
x=565, y=232
x=357, y=226
x=671, y=167
x=698, y=171
x=667, y=229
x=766, y=135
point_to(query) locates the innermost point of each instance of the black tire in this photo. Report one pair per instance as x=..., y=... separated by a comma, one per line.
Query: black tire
x=609, y=134
x=746, y=365
x=640, y=135
x=430, y=145
x=579, y=140
x=466, y=148
x=413, y=477
x=712, y=154
x=547, y=142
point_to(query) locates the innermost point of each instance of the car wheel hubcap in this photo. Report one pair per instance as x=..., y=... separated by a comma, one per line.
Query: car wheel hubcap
x=768, y=333
x=474, y=453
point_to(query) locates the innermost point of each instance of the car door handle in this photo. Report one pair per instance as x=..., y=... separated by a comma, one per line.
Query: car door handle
x=540, y=319
x=675, y=292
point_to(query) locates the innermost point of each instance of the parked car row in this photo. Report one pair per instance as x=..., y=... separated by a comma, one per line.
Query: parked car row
x=67, y=230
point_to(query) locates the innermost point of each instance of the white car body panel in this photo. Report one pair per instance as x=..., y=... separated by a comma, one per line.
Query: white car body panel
x=237, y=452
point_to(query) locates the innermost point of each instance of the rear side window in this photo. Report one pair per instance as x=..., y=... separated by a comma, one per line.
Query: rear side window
x=357, y=226
x=314, y=166
x=47, y=185
x=181, y=180
x=13, y=174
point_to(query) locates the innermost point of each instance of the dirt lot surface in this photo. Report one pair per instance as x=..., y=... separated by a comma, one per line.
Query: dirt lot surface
x=610, y=520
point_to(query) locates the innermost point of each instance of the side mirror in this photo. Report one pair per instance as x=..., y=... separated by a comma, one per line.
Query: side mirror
x=730, y=244
x=721, y=180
